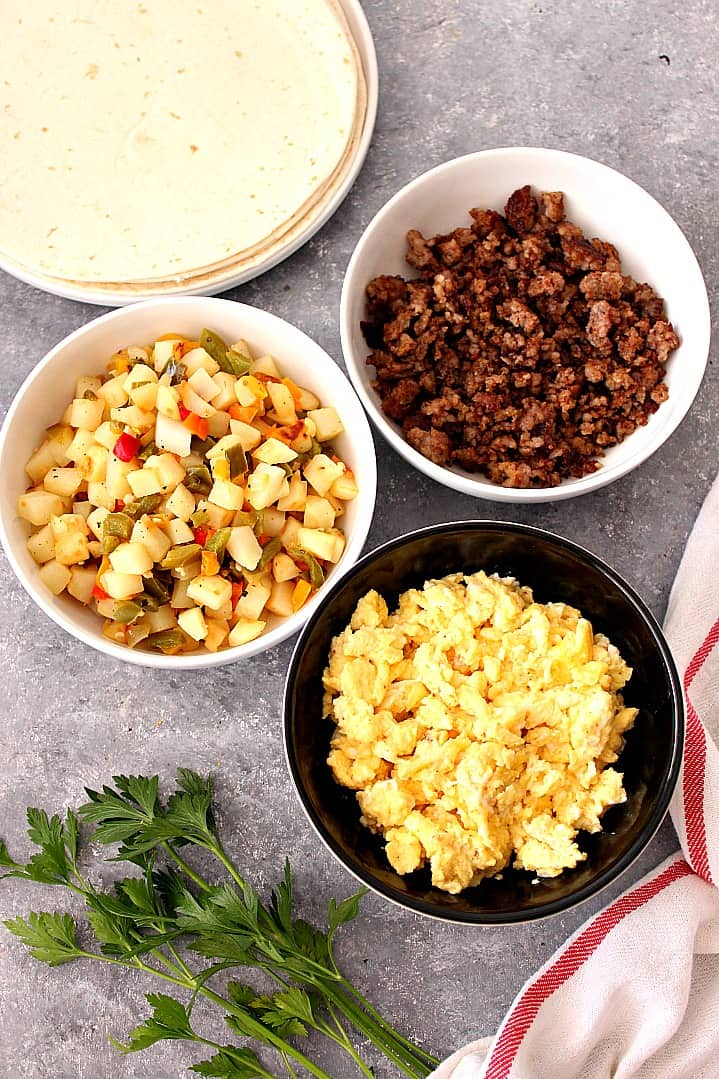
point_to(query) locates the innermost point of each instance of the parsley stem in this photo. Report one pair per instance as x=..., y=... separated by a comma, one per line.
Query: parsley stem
x=199, y=881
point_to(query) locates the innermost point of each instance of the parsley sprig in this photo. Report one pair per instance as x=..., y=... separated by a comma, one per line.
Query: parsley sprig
x=169, y=921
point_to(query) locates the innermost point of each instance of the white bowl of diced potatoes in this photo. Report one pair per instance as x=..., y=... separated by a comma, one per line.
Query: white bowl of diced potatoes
x=179, y=477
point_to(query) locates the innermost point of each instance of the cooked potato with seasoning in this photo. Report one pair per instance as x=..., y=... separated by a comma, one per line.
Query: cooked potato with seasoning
x=187, y=495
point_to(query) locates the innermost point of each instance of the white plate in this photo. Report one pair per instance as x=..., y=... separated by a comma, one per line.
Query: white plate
x=228, y=277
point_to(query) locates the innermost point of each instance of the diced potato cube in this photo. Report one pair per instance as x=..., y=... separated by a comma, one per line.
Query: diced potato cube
x=132, y=416
x=54, y=576
x=107, y=434
x=211, y=592
x=345, y=486
x=252, y=603
x=95, y=548
x=244, y=632
x=167, y=402
x=180, y=599
x=193, y=623
x=248, y=436
x=145, y=396
x=162, y=353
x=169, y=470
x=297, y=497
x=152, y=538
x=63, y=481
x=302, y=442
x=264, y=485
x=98, y=495
x=243, y=547
x=290, y=532
x=216, y=516
x=161, y=619
x=181, y=503
x=218, y=424
x=70, y=534
x=283, y=403
x=86, y=413
x=194, y=402
x=173, y=436
x=273, y=521
x=321, y=471
x=274, y=452
x=116, y=477
x=217, y=630
x=82, y=582
x=137, y=375
x=105, y=607
x=41, y=545
x=144, y=481
x=40, y=462
x=265, y=365
x=283, y=567
x=59, y=437
x=95, y=520
x=113, y=392
x=306, y=400
x=227, y=442
x=179, y=532
x=82, y=507
x=318, y=513
x=203, y=384
x=87, y=384
x=327, y=423
x=225, y=390
x=249, y=390
x=38, y=507
x=280, y=600
x=228, y=495
x=93, y=465
x=132, y=558
x=197, y=358
x=325, y=545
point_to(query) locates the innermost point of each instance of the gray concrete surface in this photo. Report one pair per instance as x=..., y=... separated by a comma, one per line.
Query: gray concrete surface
x=630, y=83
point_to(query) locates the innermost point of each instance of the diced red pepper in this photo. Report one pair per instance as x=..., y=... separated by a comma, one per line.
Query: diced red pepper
x=263, y=539
x=126, y=446
x=238, y=589
x=262, y=377
x=184, y=412
x=200, y=535
x=99, y=593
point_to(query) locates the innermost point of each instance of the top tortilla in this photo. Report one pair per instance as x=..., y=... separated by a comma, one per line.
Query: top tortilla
x=166, y=139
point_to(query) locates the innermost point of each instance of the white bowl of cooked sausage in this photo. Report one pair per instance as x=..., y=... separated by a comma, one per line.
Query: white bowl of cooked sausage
x=525, y=324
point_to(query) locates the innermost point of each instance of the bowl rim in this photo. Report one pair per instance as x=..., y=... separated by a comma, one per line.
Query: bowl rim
x=463, y=481
x=361, y=34
x=623, y=862
x=361, y=433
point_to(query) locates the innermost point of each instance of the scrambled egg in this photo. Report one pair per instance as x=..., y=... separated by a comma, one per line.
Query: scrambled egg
x=477, y=727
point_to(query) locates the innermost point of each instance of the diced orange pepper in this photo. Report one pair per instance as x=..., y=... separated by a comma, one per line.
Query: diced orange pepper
x=171, y=337
x=244, y=413
x=263, y=539
x=196, y=424
x=300, y=593
x=237, y=590
x=210, y=564
x=294, y=390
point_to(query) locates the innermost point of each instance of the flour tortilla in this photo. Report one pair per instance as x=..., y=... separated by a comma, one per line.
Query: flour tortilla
x=168, y=139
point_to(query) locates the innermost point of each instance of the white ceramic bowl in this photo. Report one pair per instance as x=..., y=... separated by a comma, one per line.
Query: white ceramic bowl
x=42, y=397
x=603, y=203
x=225, y=278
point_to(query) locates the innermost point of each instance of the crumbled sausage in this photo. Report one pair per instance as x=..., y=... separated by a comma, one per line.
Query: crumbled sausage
x=521, y=350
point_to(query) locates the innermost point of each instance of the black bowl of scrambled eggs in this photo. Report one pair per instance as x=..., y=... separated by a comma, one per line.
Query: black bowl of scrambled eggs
x=483, y=722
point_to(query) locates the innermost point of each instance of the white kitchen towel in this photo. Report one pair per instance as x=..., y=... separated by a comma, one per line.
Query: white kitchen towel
x=635, y=991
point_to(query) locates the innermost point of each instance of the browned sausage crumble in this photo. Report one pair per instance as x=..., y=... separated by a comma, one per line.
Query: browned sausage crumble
x=521, y=350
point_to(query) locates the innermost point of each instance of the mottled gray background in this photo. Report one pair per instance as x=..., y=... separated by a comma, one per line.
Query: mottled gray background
x=632, y=84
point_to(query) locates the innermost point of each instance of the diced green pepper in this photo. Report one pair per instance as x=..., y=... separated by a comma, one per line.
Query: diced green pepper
x=167, y=640
x=118, y=524
x=181, y=555
x=246, y=517
x=199, y=518
x=127, y=611
x=198, y=480
x=202, y=446
x=239, y=364
x=218, y=541
x=148, y=601
x=316, y=573
x=146, y=504
x=215, y=347
x=154, y=586
x=269, y=551
x=147, y=451
x=237, y=460
x=109, y=543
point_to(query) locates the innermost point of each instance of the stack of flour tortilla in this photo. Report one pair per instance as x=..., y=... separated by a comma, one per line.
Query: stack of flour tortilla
x=162, y=142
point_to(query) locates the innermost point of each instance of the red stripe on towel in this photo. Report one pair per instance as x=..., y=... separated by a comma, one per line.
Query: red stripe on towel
x=525, y=1011
x=695, y=755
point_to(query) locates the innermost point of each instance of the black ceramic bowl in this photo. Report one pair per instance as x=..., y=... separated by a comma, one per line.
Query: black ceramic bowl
x=556, y=570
